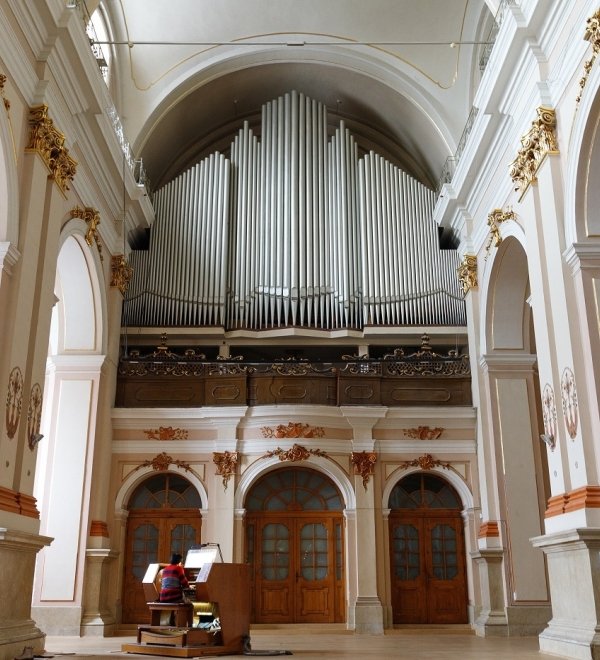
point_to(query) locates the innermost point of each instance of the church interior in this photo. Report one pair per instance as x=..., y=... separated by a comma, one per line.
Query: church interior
x=315, y=284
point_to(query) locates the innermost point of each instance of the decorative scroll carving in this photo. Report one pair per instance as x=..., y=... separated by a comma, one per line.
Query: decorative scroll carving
x=2, y=83
x=92, y=220
x=364, y=464
x=45, y=139
x=293, y=430
x=162, y=461
x=166, y=433
x=467, y=273
x=494, y=220
x=14, y=402
x=592, y=34
x=296, y=453
x=536, y=144
x=34, y=416
x=569, y=402
x=424, y=433
x=226, y=463
x=121, y=273
x=425, y=462
x=549, y=415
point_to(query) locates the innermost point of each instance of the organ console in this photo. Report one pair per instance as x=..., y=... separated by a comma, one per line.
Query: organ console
x=214, y=620
x=295, y=228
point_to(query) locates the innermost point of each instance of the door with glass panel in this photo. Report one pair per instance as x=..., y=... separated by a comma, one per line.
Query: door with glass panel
x=427, y=556
x=164, y=518
x=294, y=544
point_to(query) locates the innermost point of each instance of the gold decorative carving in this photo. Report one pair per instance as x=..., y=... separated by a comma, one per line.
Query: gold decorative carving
x=34, y=416
x=162, y=461
x=92, y=219
x=14, y=402
x=296, y=453
x=425, y=462
x=226, y=463
x=467, y=273
x=364, y=464
x=293, y=430
x=569, y=402
x=48, y=141
x=494, y=220
x=424, y=433
x=536, y=144
x=2, y=83
x=166, y=433
x=121, y=273
x=592, y=34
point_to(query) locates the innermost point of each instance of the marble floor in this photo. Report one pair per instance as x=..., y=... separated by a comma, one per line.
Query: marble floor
x=308, y=643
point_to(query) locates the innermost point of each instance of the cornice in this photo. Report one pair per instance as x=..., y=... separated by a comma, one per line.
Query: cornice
x=9, y=256
x=508, y=362
x=582, y=256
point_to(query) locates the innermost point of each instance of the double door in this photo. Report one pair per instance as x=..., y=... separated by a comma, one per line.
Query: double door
x=427, y=562
x=297, y=568
x=152, y=537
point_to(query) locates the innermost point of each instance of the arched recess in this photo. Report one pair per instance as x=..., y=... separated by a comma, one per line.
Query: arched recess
x=427, y=549
x=69, y=417
x=294, y=542
x=514, y=426
x=9, y=186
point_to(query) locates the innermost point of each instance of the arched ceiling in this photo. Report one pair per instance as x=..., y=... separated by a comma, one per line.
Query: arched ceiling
x=193, y=70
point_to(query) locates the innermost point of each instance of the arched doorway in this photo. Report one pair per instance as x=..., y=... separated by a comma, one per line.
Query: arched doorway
x=294, y=544
x=164, y=517
x=427, y=552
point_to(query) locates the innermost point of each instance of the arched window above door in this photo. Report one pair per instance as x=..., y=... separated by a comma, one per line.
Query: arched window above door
x=165, y=491
x=423, y=491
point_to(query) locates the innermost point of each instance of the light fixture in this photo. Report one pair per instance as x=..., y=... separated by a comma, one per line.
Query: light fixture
x=72, y=4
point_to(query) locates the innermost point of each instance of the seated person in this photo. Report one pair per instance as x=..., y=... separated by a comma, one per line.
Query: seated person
x=173, y=581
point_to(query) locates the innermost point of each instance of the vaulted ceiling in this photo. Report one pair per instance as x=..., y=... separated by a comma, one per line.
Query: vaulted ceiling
x=401, y=73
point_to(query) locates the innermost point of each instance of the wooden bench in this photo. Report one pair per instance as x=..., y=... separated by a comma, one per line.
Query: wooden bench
x=184, y=613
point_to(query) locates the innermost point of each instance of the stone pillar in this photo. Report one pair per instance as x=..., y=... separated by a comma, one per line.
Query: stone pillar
x=368, y=611
x=491, y=619
x=97, y=619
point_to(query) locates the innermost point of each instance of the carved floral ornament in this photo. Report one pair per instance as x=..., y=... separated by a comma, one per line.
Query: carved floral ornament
x=162, y=462
x=424, y=433
x=48, y=142
x=121, y=273
x=364, y=464
x=549, y=416
x=592, y=34
x=425, y=462
x=296, y=453
x=2, y=83
x=494, y=220
x=92, y=220
x=166, y=433
x=536, y=144
x=293, y=430
x=14, y=402
x=467, y=273
x=34, y=416
x=226, y=463
x=569, y=402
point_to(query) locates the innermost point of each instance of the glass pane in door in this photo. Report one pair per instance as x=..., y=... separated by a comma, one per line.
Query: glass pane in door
x=406, y=552
x=183, y=537
x=145, y=549
x=443, y=552
x=275, y=552
x=314, y=562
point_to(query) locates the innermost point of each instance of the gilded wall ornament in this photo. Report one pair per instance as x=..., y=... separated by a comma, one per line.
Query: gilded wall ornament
x=293, y=430
x=536, y=144
x=296, y=453
x=592, y=34
x=166, y=433
x=467, y=273
x=92, y=220
x=14, y=402
x=569, y=402
x=34, y=416
x=2, y=83
x=364, y=464
x=162, y=461
x=425, y=462
x=121, y=273
x=48, y=142
x=494, y=220
x=424, y=433
x=549, y=416
x=226, y=463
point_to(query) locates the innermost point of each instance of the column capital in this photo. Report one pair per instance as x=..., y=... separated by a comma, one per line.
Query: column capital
x=9, y=256
x=507, y=362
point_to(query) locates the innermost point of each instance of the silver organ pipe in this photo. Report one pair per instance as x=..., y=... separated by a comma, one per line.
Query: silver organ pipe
x=294, y=229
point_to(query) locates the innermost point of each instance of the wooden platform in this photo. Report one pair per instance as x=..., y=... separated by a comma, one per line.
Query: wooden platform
x=179, y=642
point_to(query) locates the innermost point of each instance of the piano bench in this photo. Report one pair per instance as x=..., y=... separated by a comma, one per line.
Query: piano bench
x=184, y=613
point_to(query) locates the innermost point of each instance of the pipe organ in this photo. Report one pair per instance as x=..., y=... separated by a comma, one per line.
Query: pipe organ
x=294, y=229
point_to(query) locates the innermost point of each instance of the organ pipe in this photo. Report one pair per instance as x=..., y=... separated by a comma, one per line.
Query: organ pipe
x=294, y=229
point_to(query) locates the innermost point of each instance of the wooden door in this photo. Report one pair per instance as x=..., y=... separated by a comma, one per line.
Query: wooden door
x=297, y=572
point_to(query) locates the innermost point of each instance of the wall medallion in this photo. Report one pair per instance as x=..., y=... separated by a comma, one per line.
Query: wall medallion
x=14, y=401
x=549, y=415
x=569, y=402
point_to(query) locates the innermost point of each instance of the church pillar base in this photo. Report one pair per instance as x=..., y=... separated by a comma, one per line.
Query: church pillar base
x=492, y=620
x=97, y=621
x=368, y=616
x=574, y=573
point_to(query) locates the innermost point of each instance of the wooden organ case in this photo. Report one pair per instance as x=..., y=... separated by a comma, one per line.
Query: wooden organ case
x=218, y=622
